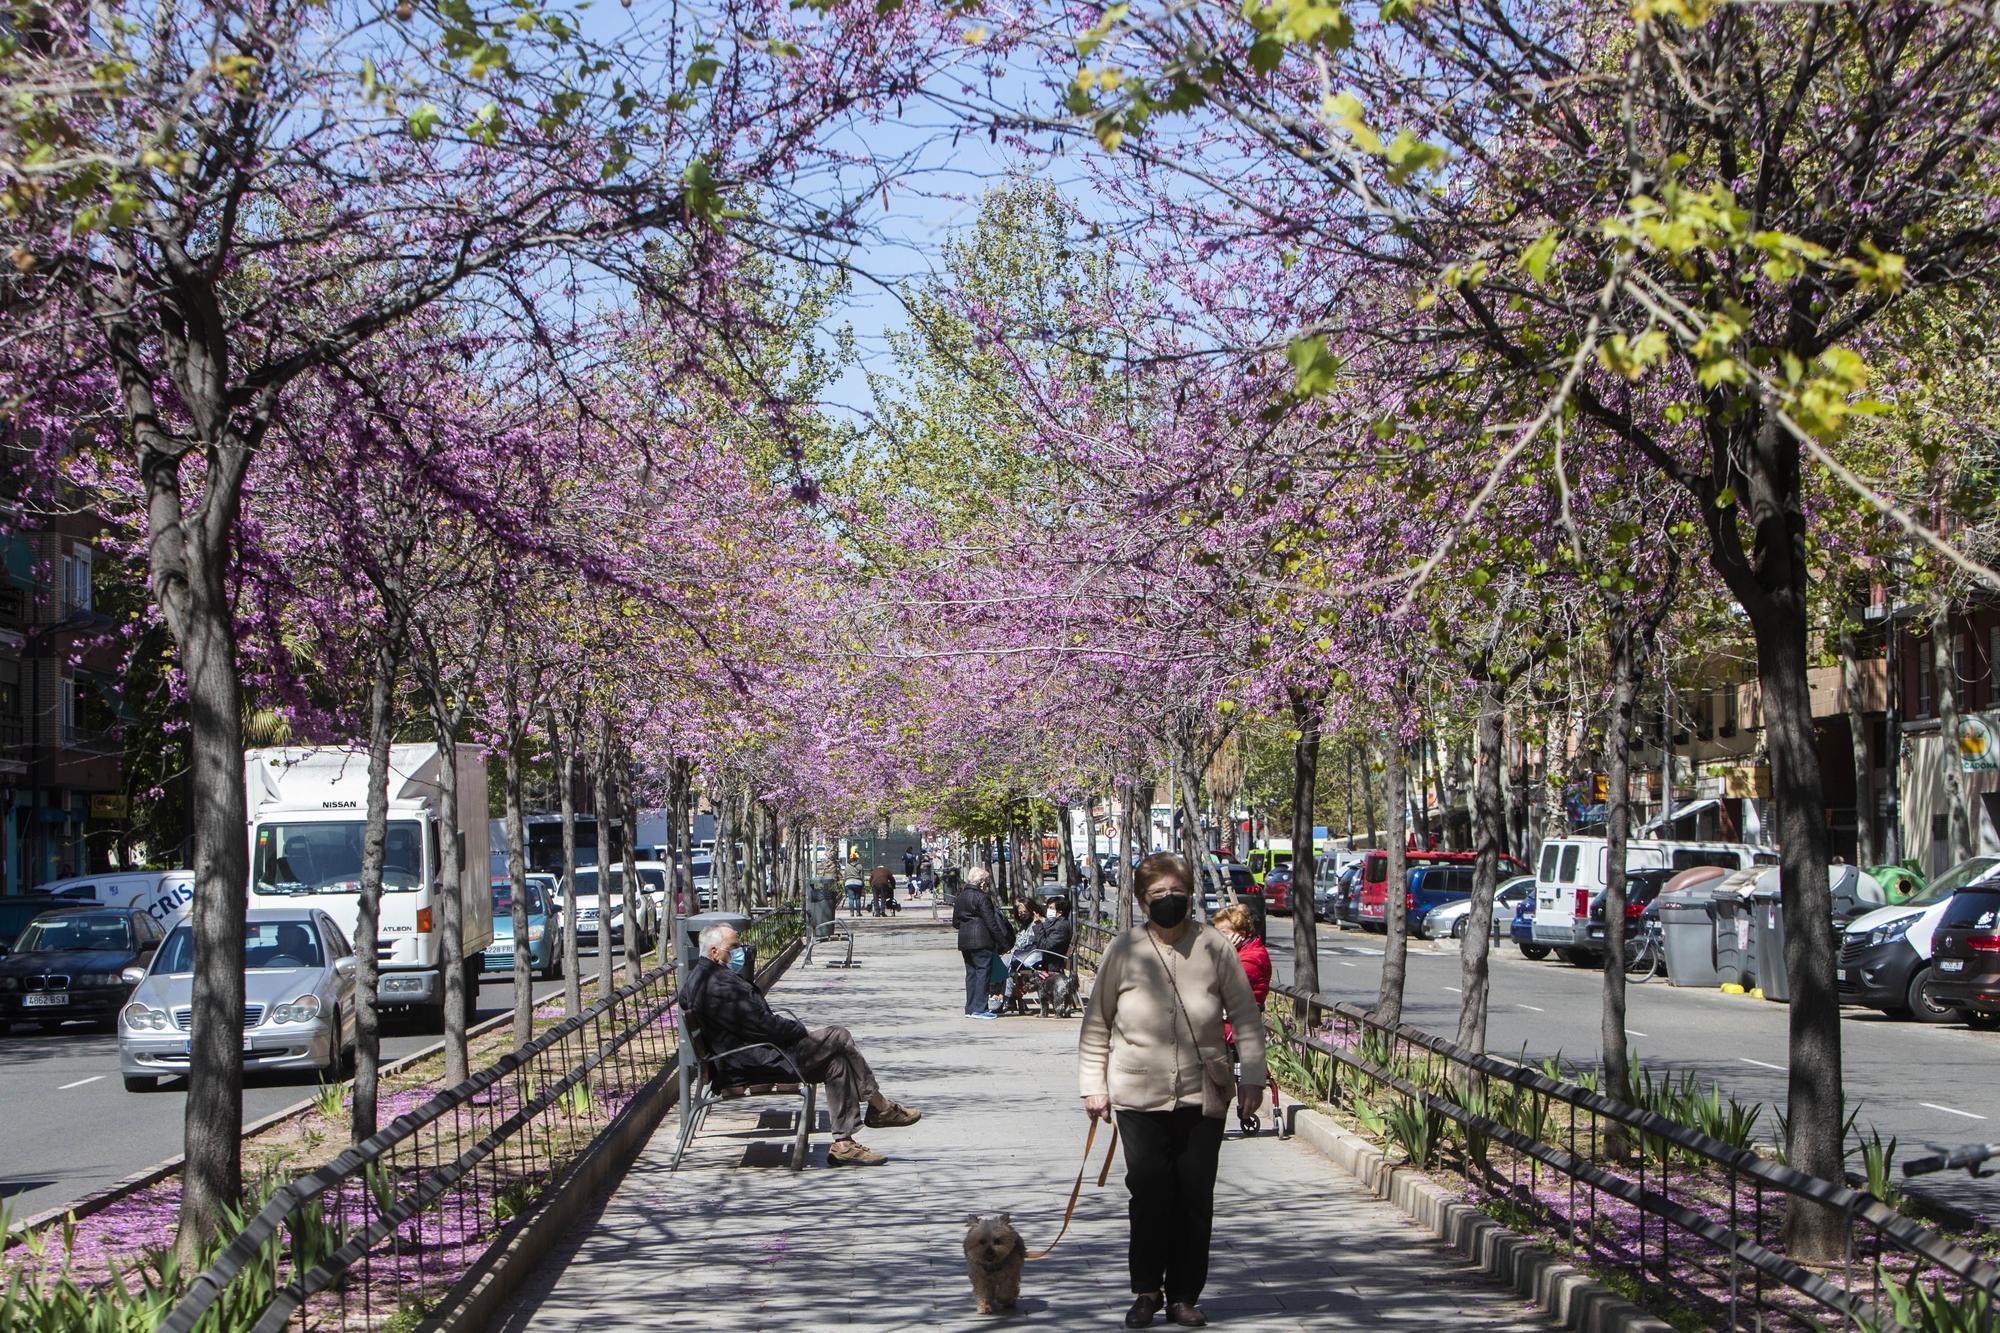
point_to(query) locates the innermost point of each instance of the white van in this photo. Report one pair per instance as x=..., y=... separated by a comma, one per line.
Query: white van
x=1574, y=870
x=165, y=894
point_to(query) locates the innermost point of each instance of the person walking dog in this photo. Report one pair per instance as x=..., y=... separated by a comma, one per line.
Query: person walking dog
x=982, y=932
x=1152, y=1053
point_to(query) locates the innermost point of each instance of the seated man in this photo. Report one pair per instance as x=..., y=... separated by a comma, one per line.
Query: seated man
x=734, y=1014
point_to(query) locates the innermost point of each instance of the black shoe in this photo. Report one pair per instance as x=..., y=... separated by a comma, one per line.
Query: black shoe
x=1186, y=1315
x=1144, y=1307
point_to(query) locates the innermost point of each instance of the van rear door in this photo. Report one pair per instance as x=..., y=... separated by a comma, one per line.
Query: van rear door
x=1555, y=905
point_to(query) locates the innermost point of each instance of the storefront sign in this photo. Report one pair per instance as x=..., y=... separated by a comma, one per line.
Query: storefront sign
x=1976, y=753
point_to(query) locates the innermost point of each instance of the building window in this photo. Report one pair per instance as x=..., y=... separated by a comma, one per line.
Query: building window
x=1993, y=664
x=1729, y=711
x=76, y=582
x=1926, y=698
x=66, y=711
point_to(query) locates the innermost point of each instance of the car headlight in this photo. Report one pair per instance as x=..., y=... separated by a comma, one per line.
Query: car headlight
x=100, y=979
x=302, y=1010
x=1891, y=930
x=535, y=934
x=145, y=1018
x=10, y=983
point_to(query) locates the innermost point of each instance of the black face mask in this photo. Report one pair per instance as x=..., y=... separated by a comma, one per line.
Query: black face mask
x=1168, y=912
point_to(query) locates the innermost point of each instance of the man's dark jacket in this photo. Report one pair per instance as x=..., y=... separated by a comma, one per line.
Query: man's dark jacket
x=1057, y=936
x=733, y=1013
x=978, y=921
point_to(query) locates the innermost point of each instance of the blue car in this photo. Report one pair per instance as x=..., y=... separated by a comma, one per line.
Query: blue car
x=1523, y=930
x=544, y=948
x=1434, y=886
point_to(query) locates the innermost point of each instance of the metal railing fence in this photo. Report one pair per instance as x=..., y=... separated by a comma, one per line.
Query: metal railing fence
x=1684, y=1221
x=377, y=1237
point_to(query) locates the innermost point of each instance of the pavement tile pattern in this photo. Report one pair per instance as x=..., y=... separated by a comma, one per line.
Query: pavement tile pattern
x=735, y=1240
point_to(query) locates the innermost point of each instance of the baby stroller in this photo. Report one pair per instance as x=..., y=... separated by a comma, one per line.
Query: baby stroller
x=1051, y=982
x=1254, y=1123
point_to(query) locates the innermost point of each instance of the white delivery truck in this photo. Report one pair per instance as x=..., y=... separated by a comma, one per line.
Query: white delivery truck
x=308, y=813
x=165, y=894
x=1575, y=870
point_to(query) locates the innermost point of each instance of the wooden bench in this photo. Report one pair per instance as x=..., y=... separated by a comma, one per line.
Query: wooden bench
x=706, y=1092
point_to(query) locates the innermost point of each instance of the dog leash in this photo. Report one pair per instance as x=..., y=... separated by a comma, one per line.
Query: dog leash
x=1077, y=1189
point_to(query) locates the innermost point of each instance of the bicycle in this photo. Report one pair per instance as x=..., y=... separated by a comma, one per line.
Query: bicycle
x=1976, y=1159
x=1645, y=950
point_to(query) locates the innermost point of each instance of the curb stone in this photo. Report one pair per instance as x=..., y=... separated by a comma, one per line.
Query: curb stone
x=1562, y=1291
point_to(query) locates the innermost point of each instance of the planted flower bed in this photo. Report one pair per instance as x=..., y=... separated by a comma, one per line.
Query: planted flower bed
x=110, y=1269
x=1578, y=1189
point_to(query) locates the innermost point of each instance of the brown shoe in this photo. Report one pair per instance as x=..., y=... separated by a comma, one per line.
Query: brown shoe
x=894, y=1116
x=851, y=1153
x=1186, y=1315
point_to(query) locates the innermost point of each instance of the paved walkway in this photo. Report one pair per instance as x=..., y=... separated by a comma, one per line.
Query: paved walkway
x=734, y=1240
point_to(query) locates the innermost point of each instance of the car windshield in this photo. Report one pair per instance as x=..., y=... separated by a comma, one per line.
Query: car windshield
x=326, y=857
x=91, y=933
x=266, y=944
x=503, y=899
x=1952, y=880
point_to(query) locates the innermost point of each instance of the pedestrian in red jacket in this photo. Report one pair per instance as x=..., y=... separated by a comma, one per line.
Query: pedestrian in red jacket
x=1234, y=922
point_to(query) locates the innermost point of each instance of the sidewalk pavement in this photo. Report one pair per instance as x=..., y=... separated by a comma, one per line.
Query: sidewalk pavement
x=735, y=1240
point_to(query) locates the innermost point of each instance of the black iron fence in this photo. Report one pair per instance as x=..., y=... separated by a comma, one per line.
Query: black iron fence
x=1682, y=1212
x=377, y=1237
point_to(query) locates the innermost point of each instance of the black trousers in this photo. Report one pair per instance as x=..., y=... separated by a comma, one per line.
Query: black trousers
x=978, y=988
x=1170, y=1162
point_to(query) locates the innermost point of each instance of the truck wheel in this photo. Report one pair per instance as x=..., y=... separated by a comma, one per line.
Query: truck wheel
x=1926, y=1008
x=1536, y=952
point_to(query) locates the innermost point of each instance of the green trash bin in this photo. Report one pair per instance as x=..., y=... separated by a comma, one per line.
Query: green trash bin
x=1735, y=963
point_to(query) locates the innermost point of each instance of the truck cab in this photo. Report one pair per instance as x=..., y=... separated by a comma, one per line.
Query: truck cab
x=308, y=823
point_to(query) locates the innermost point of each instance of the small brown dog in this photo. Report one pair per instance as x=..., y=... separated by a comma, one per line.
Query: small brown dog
x=993, y=1257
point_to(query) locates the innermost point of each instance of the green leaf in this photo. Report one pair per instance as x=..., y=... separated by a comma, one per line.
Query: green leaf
x=423, y=121
x=1315, y=368
x=703, y=71
x=1536, y=257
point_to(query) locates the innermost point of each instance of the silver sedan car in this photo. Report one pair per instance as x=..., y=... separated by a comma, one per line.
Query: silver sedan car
x=298, y=989
x=1448, y=920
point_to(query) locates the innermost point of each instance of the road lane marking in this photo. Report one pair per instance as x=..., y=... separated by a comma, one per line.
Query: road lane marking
x=1344, y=963
x=1455, y=989
x=1951, y=1110
x=1536, y=1007
x=94, y=1077
x=1634, y=1032
x=1761, y=1064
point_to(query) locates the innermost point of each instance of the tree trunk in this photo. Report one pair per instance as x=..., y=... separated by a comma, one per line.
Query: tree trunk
x=1864, y=776
x=367, y=930
x=1367, y=794
x=1305, y=789
x=451, y=893
x=1396, y=943
x=1489, y=826
x=723, y=863
x=1945, y=671
x=1096, y=913
x=683, y=820
x=565, y=765
x=517, y=874
x=212, y=1127
x=1617, y=1060
x=634, y=898
x=600, y=800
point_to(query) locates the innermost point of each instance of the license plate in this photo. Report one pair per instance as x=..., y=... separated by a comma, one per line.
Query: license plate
x=44, y=1000
x=1944, y=965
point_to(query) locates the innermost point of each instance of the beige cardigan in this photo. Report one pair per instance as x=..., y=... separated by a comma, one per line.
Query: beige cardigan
x=1136, y=1044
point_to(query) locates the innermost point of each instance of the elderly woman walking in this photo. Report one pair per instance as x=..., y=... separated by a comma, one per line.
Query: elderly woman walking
x=1152, y=1050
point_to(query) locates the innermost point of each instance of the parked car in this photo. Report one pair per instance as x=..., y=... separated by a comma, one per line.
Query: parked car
x=1278, y=890
x=584, y=902
x=1965, y=955
x=1240, y=883
x=1447, y=921
x=1522, y=931
x=1641, y=888
x=1431, y=887
x=68, y=964
x=1373, y=893
x=298, y=1000
x=544, y=946
x=1343, y=901
x=1885, y=955
x=17, y=910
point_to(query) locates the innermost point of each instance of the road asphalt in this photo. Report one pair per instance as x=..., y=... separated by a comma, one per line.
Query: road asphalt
x=71, y=1128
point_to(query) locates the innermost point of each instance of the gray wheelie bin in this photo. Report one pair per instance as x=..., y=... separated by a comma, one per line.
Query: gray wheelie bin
x=1767, y=924
x=1687, y=922
x=692, y=926
x=1735, y=964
